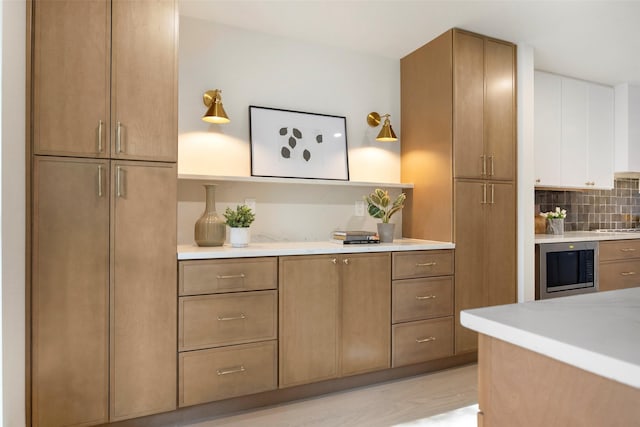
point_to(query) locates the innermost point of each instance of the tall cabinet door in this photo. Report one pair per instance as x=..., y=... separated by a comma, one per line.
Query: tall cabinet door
x=143, y=289
x=70, y=280
x=468, y=99
x=71, y=77
x=309, y=296
x=144, y=80
x=471, y=197
x=366, y=312
x=500, y=105
x=500, y=240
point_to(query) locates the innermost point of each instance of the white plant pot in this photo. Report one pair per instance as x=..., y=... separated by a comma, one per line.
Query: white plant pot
x=239, y=237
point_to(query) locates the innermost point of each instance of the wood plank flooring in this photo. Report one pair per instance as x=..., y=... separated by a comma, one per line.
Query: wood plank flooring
x=395, y=403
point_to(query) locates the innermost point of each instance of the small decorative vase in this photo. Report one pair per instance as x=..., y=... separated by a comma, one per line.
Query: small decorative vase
x=555, y=226
x=239, y=237
x=385, y=232
x=210, y=229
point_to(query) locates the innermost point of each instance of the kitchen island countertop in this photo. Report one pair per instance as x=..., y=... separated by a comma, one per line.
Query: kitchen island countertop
x=192, y=251
x=598, y=332
x=584, y=236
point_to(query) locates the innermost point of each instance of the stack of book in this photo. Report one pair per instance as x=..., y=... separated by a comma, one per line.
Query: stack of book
x=350, y=237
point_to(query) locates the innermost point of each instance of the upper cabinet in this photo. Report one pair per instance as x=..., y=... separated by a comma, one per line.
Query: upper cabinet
x=627, y=130
x=573, y=133
x=105, y=82
x=483, y=93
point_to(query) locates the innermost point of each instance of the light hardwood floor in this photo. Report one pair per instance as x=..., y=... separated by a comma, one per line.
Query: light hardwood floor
x=395, y=403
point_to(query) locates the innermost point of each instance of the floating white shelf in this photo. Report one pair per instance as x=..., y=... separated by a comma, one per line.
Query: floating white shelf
x=267, y=180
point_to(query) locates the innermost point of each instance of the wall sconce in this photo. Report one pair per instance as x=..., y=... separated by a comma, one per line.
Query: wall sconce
x=386, y=133
x=215, y=113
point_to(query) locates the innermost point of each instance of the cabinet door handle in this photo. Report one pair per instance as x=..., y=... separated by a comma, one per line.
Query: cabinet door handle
x=333, y=260
x=538, y=181
x=231, y=276
x=345, y=261
x=421, y=340
x=231, y=370
x=483, y=160
x=493, y=193
x=100, y=123
x=491, y=165
x=119, y=192
x=426, y=264
x=418, y=297
x=628, y=273
x=118, y=137
x=226, y=319
x=99, y=180
x=484, y=194
x=627, y=250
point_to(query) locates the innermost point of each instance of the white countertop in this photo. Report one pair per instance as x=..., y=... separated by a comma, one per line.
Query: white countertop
x=598, y=332
x=305, y=248
x=583, y=236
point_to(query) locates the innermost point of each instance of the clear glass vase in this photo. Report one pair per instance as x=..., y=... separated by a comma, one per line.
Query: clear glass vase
x=210, y=228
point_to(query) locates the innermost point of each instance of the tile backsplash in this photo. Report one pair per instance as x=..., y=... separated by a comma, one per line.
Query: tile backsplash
x=594, y=209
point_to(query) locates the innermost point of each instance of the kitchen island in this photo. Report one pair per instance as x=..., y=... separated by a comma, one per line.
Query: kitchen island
x=572, y=361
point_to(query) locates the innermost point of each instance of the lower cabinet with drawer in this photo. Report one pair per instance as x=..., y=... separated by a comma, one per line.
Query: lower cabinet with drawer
x=227, y=328
x=422, y=307
x=619, y=265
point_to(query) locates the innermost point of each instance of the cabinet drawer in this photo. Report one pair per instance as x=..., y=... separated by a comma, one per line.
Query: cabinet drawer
x=416, y=342
x=221, y=373
x=215, y=276
x=619, y=275
x=408, y=265
x=225, y=319
x=619, y=249
x=419, y=299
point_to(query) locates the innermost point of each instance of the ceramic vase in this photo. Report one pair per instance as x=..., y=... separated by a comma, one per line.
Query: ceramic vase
x=555, y=226
x=239, y=237
x=210, y=228
x=386, y=231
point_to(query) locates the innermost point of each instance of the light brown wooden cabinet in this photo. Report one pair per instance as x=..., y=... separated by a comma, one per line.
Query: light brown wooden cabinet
x=459, y=149
x=143, y=288
x=485, y=267
x=103, y=311
x=422, y=308
x=70, y=287
x=105, y=79
x=227, y=323
x=334, y=316
x=619, y=264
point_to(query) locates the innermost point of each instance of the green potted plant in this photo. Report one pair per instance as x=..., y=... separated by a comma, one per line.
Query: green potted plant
x=555, y=220
x=239, y=221
x=380, y=206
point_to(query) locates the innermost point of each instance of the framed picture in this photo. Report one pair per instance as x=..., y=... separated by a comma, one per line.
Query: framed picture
x=294, y=144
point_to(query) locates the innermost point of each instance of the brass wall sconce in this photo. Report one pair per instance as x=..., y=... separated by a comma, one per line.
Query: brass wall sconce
x=386, y=133
x=215, y=113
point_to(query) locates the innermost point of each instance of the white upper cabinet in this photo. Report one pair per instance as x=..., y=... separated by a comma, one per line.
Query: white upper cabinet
x=547, y=130
x=574, y=133
x=627, y=129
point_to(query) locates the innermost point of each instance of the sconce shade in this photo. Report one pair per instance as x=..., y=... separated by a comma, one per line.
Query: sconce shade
x=386, y=133
x=215, y=113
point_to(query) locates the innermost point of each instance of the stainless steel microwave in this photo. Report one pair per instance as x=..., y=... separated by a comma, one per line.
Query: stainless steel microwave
x=564, y=269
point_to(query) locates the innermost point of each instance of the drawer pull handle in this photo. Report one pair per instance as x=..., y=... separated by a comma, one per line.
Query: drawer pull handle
x=232, y=276
x=418, y=297
x=421, y=340
x=426, y=264
x=232, y=370
x=240, y=317
x=628, y=273
x=628, y=249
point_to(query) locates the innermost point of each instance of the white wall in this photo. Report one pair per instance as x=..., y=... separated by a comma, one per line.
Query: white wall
x=264, y=70
x=13, y=211
x=526, y=175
